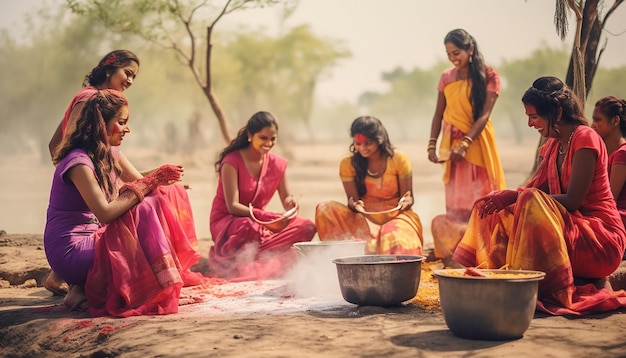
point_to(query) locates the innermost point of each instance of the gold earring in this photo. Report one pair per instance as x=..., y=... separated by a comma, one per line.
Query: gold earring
x=470, y=59
x=249, y=140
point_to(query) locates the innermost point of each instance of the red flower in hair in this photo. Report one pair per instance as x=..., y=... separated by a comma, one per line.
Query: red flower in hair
x=110, y=59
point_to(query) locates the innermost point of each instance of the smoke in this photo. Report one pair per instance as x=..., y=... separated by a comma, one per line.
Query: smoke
x=315, y=274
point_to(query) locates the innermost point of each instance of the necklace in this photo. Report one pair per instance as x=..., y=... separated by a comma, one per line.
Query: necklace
x=561, y=151
x=381, y=170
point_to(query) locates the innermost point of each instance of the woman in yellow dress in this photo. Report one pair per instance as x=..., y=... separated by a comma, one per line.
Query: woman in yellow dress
x=376, y=178
x=467, y=94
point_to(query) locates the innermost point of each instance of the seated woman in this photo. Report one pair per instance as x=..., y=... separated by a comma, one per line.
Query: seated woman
x=376, y=178
x=249, y=175
x=123, y=252
x=609, y=120
x=117, y=70
x=564, y=221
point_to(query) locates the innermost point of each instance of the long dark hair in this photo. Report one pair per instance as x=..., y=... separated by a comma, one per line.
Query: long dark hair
x=255, y=124
x=477, y=68
x=373, y=129
x=612, y=106
x=89, y=133
x=109, y=64
x=547, y=95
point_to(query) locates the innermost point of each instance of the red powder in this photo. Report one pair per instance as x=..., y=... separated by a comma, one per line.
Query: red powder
x=107, y=329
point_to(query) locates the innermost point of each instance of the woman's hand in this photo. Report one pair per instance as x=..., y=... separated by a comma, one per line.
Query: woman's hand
x=356, y=205
x=405, y=202
x=458, y=153
x=168, y=174
x=290, y=202
x=432, y=155
x=495, y=202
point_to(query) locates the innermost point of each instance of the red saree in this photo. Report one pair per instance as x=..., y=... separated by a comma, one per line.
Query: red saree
x=542, y=235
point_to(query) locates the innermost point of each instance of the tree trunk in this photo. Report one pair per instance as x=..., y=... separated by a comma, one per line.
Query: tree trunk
x=210, y=93
x=591, y=31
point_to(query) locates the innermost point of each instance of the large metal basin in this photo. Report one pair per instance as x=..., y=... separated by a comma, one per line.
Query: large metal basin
x=379, y=280
x=488, y=308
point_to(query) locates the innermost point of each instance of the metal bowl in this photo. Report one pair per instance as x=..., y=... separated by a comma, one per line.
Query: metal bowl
x=495, y=307
x=379, y=280
x=332, y=249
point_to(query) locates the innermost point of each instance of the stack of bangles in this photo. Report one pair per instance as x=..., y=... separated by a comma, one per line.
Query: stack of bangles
x=432, y=144
x=466, y=142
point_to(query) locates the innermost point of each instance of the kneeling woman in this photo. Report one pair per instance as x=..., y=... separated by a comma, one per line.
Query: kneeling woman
x=376, y=178
x=564, y=221
x=249, y=175
x=124, y=252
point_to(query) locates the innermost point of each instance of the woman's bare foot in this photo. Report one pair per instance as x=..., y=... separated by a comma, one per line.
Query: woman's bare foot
x=55, y=284
x=76, y=299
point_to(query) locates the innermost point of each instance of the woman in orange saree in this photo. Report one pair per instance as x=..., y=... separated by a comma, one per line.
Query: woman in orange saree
x=467, y=94
x=564, y=221
x=376, y=178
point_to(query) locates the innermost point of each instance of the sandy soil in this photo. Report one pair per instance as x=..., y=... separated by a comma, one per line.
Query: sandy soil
x=273, y=318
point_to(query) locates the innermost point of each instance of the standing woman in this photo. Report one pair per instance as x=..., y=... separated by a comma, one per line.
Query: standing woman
x=122, y=249
x=467, y=94
x=249, y=175
x=563, y=221
x=376, y=178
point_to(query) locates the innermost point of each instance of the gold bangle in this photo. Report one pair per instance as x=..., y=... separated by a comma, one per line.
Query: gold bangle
x=468, y=139
x=464, y=144
x=432, y=140
x=431, y=147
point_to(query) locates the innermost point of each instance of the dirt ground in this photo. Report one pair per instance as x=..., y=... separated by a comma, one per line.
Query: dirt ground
x=266, y=318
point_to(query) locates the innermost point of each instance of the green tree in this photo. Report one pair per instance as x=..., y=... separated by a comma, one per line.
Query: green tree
x=585, y=56
x=40, y=76
x=185, y=27
x=516, y=76
x=279, y=73
x=408, y=104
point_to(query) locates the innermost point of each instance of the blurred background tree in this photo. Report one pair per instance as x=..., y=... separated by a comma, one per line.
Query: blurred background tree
x=187, y=27
x=44, y=66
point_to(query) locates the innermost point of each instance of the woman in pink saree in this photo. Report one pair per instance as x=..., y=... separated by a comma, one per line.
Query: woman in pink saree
x=122, y=250
x=564, y=221
x=117, y=70
x=249, y=175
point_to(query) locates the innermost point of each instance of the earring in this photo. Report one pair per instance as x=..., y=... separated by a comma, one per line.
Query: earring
x=470, y=59
x=249, y=140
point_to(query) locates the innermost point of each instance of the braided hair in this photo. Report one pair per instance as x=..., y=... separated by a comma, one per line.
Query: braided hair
x=89, y=133
x=373, y=129
x=548, y=95
x=477, y=68
x=109, y=64
x=612, y=106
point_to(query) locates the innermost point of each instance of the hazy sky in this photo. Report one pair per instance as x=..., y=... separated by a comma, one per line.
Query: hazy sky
x=384, y=34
